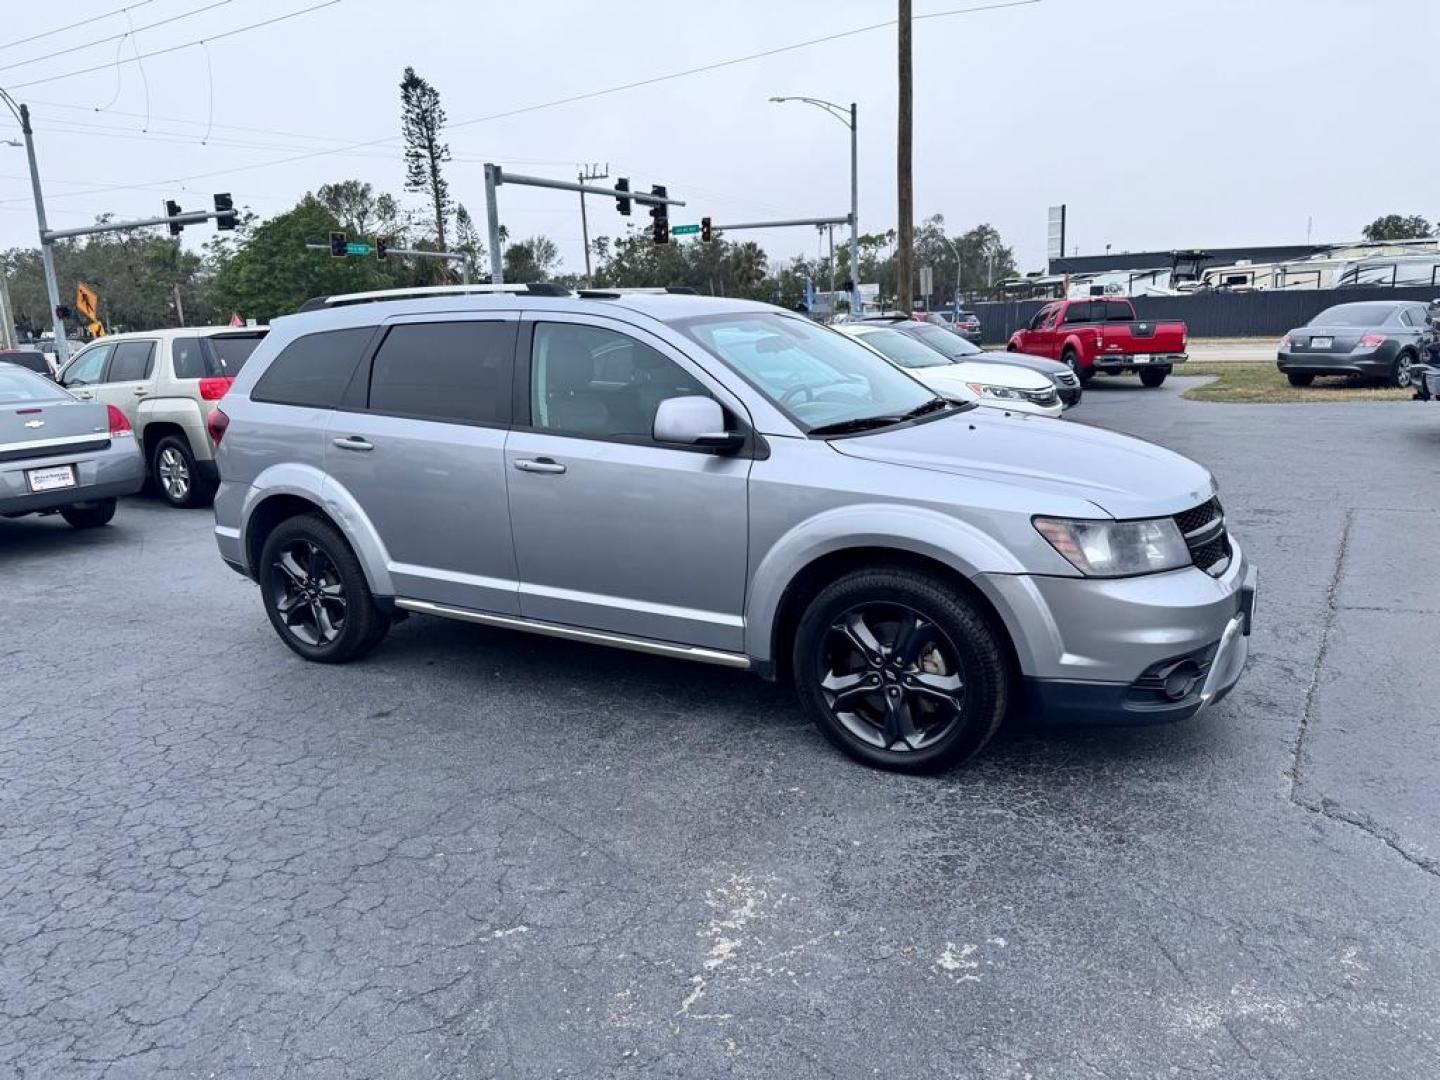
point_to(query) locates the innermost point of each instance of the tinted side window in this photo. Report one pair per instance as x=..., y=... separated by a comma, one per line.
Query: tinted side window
x=132, y=361
x=1079, y=313
x=599, y=383
x=86, y=369
x=453, y=371
x=313, y=370
x=188, y=360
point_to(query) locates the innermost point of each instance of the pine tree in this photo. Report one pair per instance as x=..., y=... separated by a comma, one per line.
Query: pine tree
x=421, y=119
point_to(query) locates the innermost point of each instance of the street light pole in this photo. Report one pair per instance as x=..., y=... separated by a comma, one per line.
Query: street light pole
x=849, y=118
x=47, y=256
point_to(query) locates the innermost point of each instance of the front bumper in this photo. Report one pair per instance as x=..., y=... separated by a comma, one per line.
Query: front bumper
x=1027, y=407
x=100, y=474
x=1140, y=650
x=1373, y=363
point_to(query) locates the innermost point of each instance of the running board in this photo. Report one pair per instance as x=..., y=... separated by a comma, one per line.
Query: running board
x=575, y=633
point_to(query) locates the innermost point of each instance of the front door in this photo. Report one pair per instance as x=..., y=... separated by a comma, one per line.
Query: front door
x=83, y=374
x=419, y=445
x=614, y=531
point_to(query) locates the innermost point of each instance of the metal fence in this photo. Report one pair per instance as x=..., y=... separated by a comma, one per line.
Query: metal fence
x=1268, y=313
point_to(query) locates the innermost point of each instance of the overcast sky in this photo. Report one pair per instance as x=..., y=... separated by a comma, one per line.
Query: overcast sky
x=1160, y=123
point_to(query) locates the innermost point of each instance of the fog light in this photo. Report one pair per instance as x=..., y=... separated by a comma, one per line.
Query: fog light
x=1181, y=680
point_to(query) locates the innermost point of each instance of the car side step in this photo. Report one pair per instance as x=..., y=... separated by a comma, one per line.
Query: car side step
x=575, y=633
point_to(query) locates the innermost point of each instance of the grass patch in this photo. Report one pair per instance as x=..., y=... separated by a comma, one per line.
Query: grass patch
x=1245, y=383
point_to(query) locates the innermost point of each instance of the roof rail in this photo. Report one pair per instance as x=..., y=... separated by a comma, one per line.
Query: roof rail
x=533, y=288
x=655, y=290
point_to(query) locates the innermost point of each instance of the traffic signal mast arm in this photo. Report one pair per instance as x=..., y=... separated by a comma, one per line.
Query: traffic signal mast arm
x=189, y=217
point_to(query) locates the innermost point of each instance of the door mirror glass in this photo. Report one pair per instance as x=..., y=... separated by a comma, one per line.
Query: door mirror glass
x=693, y=421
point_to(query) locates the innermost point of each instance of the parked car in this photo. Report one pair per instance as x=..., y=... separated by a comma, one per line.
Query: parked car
x=29, y=359
x=965, y=323
x=1103, y=337
x=1375, y=339
x=734, y=485
x=60, y=455
x=167, y=382
x=955, y=348
x=998, y=386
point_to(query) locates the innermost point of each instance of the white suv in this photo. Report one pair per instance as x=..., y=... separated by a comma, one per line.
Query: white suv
x=167, y=382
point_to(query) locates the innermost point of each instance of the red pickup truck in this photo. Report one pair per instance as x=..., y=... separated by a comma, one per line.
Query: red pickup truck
x=1103, y=336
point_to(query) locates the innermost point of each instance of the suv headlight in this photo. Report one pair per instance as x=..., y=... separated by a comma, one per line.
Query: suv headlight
x=1005, y=392
x=1117, y=548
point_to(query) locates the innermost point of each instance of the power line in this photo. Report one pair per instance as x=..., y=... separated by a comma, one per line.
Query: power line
x=116, y=37
x=364, y=144
x=186, y=45
x=72, y=26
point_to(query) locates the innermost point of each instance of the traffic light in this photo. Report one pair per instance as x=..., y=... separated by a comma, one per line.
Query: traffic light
x=707, y=234
x=622, y=203
x=172, y=209
x=337, y=245
x=660, y=212
x=382, y=247
x=225, y=211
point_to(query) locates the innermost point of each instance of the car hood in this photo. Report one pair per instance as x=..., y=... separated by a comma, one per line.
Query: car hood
x=968, y=371
x=1123, y=476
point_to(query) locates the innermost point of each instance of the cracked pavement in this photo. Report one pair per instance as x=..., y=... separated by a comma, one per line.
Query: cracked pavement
x=488, y=855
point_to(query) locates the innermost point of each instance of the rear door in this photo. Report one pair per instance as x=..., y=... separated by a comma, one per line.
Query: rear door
x=129, y=377
x=420, y=445
x=614, y=531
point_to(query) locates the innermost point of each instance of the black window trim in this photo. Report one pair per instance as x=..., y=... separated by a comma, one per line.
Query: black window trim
x=359, y=388
x=754, y=446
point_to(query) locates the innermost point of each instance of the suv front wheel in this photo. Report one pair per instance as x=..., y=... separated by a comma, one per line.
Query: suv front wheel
x=900, y=670
x=316, y=594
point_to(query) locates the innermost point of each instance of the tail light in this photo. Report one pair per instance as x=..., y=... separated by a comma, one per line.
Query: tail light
x=1370, y=341
x=214, y=389
x=119, y=425
x=216, y=425
x=1099, y=339
x=1284, y=342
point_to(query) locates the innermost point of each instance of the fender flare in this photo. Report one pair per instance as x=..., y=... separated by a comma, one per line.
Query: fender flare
x=1073, y=341
x=313, y=485
x=911, y=529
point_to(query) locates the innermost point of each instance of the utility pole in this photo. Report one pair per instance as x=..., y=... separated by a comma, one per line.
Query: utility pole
x=905, y=270
x=587, y=173
x=179, y=307
x=47, y=255
x=7, y=317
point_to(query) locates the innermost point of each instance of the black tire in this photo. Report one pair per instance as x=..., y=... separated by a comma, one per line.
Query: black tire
x=950, y=639
x=1295, y=378
x=1153, y=377
x=89, y=515
x=175, y=476
x=1402, y=378
x=331, y=581
x=1071, y=359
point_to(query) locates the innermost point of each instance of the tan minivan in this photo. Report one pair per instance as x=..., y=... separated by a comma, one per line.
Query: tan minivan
x=167, y=383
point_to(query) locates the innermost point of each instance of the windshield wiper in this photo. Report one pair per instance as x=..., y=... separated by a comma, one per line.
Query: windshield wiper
x=868, y=423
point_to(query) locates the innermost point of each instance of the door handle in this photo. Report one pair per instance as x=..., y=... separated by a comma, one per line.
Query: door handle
x=353, y=442
x=140, y=391
x=539, y=465
x=84, y=395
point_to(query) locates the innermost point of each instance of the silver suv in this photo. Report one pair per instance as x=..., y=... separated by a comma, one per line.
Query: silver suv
x=722, y=481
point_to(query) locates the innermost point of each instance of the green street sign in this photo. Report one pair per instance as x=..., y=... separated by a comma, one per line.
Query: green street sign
x=684, y=230
x=353, y=248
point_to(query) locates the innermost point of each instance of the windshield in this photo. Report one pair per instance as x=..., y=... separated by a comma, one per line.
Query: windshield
x=19, y=387
x=1352, y=315
x=946, y=341
x=817, y=377
x=902, y=348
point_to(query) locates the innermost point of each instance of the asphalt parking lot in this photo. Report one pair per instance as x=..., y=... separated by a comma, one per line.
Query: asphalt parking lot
x=481, y=855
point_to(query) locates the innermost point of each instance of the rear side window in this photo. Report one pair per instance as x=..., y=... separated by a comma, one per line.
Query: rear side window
x=313, y=370
x=459, y=372
x=189, y=361
x=213, y=357
x=132, y=361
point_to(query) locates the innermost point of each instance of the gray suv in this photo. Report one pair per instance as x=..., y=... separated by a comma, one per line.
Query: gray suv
x=722, y=481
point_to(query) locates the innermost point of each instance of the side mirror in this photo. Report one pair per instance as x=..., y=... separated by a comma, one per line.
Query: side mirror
x=694, y=421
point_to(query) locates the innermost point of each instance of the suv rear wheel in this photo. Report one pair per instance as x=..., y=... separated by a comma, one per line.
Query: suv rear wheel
x=172, y=467
x=316, y=594
x=900, y=670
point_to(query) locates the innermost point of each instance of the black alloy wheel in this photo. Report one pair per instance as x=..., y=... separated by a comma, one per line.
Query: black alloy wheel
x=308, y=594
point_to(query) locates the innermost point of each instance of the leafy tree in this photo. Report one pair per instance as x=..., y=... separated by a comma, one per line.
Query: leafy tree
x=467, y=242
x=360, y=212
x=534, y=259
x=422, y=118
x=272, y=273
x=1397, y=227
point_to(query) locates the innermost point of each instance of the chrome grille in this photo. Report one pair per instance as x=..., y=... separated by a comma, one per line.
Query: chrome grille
x=1067, y=378
x=1041, y=397
x=1204, y=530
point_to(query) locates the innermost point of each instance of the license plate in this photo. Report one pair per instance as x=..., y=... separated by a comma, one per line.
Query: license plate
x=1141, y=358
x=1321, y=342
x=61, y=476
